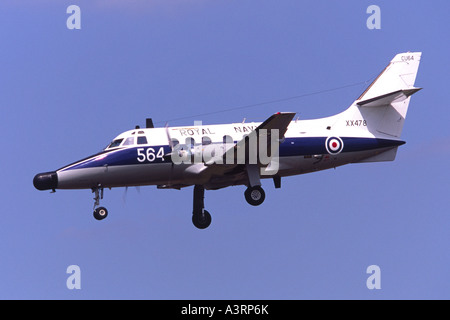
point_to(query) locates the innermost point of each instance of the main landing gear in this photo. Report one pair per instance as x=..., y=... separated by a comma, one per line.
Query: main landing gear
x=254, y=194
x=100, y=213
x=200, y=217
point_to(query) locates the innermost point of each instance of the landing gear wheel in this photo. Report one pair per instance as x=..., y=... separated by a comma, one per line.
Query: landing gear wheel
x=100, y=213
x=201, y=220
x=255, y=195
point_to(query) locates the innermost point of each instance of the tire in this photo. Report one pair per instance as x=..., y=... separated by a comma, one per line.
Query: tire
x=100, y=213
x=201, y=220
x=255, y=195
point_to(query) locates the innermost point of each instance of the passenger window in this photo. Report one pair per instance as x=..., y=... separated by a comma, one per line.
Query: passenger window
x=190, y=142
x=129, y=141
x=227, y=139
x=175, y=142
x=206, y=141
x=142, y=140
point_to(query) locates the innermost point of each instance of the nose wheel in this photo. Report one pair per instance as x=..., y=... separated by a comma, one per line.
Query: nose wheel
x=100, y=213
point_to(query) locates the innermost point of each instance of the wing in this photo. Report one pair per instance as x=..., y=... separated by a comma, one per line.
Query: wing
x=230, y=167
x=248, y=150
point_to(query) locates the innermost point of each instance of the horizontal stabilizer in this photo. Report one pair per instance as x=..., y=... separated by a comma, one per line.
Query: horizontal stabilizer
x=388, y=98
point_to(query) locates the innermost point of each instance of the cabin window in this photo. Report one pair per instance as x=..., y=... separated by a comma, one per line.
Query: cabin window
x=190, y=142
x=141, y=140
x=129, y=141
x=227, y=139
x=175, y=142
x=115, y=143
x=206, y=141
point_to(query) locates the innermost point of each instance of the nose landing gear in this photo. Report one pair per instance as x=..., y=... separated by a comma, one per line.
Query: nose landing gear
x=100, y=213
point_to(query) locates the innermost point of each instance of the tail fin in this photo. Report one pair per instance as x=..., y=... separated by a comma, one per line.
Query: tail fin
x=400, y=74
x=382, y=107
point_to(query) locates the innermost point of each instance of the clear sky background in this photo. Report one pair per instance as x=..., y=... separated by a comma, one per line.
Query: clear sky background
x=64, y=94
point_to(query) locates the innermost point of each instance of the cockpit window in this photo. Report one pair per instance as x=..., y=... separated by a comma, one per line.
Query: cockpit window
x=115, y=143
x=141, y=140
x=129, y=141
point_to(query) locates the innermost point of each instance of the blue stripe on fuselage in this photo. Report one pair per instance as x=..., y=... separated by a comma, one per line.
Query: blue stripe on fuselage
x=299, y=146
x=316, y=145
x=124, y=156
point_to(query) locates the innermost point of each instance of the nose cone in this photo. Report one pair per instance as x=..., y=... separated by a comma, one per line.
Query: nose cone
x=46, y=181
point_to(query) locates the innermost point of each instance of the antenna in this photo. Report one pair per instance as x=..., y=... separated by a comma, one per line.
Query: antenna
x=149, y=123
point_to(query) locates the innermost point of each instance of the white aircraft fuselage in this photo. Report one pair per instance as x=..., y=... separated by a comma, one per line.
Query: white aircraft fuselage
x=368, y=131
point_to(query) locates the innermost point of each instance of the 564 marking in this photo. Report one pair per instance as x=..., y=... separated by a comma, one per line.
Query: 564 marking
x=150, y=154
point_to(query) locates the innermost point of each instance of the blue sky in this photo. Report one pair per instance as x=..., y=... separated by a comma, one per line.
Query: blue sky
x=64, y=94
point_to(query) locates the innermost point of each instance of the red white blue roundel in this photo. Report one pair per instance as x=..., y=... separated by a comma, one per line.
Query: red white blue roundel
x=334, y=145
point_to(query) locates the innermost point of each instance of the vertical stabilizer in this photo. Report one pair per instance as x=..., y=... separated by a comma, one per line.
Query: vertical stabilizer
x=400, y=74
x=381, y=109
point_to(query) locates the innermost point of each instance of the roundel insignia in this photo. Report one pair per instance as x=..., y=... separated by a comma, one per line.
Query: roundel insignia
x=334, y=145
